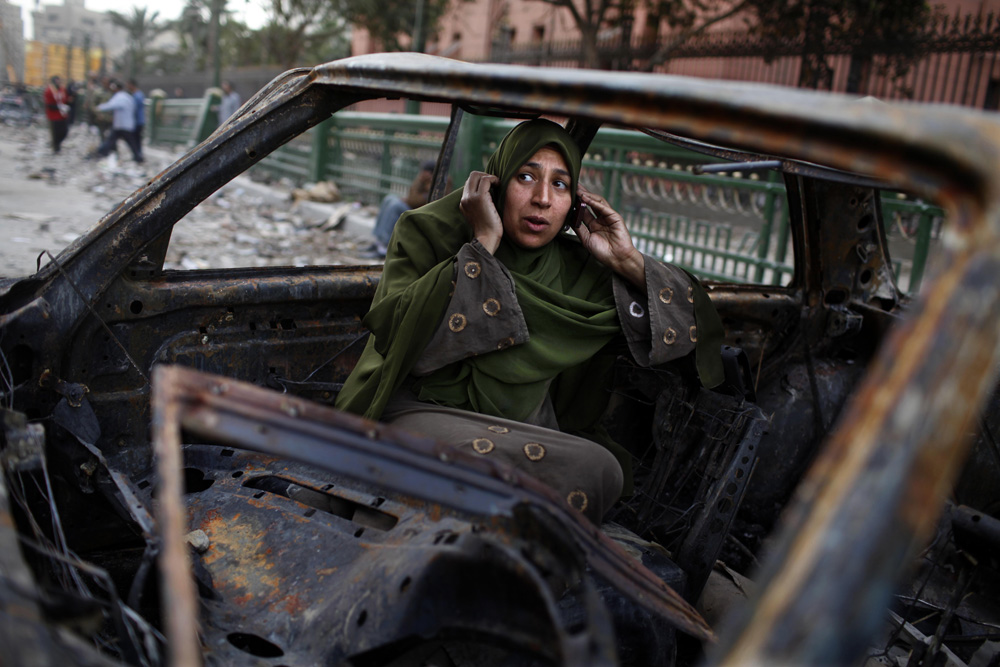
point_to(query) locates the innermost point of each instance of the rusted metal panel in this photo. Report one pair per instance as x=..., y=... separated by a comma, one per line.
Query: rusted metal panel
x=872, y=499
x=441, y=480
x=180, y=607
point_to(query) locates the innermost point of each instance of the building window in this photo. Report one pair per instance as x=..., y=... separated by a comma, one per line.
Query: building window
x=538, y=33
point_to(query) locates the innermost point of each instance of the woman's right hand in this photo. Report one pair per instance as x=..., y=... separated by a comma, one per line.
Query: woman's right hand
x=480, y=211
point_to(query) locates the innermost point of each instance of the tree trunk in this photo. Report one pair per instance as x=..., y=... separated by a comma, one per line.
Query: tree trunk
x=815, y=71
x=588, y=47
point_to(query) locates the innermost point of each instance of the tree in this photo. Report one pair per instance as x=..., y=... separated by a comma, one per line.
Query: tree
x=389, y=20
x=241, y=46
x=140, y=29
x=808, y=27
x=687, y=17
x=298, y=29
x=889, y=27
x=192, y=28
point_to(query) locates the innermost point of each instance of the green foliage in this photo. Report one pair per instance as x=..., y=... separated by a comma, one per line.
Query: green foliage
x=193, y=28
x=686, y=17
x=388, y=20
x=239, y=45
x=810, y=29
x=140, y=29
x=889, y=27
x=303, y=32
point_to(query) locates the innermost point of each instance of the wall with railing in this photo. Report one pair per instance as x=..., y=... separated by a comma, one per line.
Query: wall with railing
x=731, y=227
x=952, y=58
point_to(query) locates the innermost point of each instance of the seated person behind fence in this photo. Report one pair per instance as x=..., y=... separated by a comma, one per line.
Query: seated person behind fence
x=492, y=324
x=393, y=206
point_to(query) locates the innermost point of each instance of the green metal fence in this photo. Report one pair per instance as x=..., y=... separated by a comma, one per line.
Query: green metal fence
x=185, y=122
x=731, y=227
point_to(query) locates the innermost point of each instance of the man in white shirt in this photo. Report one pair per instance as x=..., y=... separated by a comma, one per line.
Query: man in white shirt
x=122, y=106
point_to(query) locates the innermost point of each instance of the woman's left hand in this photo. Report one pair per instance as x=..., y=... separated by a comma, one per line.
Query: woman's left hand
x=603, y=232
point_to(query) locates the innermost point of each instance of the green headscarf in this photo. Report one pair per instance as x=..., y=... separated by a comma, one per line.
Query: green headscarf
x=564, y=293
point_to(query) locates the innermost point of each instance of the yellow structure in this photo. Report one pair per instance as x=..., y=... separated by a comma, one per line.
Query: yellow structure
x=43, y=61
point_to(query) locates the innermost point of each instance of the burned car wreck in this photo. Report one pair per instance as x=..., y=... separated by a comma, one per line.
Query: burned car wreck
x=177, y=487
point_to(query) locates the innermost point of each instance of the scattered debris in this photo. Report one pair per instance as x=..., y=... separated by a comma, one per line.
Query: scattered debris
x=324, y=191
x=236, y=227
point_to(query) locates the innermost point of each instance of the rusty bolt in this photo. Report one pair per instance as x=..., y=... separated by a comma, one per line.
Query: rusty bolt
x=89, y=467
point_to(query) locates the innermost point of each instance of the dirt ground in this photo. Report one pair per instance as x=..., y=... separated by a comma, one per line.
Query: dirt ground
x=47, y=201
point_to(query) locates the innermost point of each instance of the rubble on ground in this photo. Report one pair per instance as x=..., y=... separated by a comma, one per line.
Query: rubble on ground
x=245, y=224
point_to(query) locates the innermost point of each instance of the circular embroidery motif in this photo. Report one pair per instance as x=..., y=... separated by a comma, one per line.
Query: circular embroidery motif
x=666, y=295
x=491, y=307
x=577, y=500
x=635, y=310
x=472, y=269
x=693, y=332
x=534, y=451
x=505, y=343
x=670, y=336
x=691, y=294
x=499, y=429
x=483, y=445
x=457, y=322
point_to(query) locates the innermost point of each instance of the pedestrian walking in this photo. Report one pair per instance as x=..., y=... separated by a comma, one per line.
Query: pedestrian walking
x=56, y=111
x=96, y=95
x=122, y=107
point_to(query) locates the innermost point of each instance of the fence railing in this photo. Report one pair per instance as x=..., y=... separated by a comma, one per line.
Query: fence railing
x=731, y=227
x=185, y=122
x=950, y=59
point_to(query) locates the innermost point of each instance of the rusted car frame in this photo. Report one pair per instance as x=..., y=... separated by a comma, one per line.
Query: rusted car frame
x=96, y=319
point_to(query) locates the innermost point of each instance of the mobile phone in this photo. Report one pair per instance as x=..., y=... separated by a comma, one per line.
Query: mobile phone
x=576, y=213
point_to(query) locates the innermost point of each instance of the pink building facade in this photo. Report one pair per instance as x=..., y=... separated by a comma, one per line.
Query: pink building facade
x=473, y=31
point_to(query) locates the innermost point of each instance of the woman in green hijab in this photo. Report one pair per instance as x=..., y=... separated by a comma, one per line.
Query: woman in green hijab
x=491, y=324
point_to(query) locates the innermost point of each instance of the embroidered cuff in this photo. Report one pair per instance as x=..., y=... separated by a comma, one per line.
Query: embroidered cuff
x=660, y=325
x=482, y=316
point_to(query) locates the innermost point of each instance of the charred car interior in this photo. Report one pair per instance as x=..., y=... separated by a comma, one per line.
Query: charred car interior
x=178, y=489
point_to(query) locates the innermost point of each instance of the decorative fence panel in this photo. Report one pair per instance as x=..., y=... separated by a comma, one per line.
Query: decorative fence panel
x=952, y=60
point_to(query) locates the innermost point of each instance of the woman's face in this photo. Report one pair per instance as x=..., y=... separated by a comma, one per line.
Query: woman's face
x=539, y=196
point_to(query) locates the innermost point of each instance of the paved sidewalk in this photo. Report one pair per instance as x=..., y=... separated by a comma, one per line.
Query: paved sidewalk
x=42, y=205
